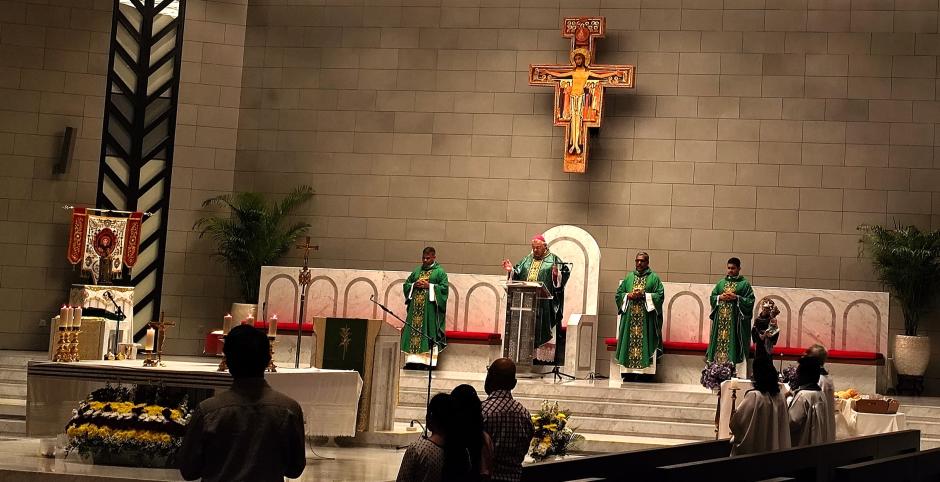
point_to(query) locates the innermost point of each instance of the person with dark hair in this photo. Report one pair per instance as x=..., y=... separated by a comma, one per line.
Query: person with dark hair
x=761, y=421
x=426, y=303
x=809, y=419
x=506, y=420
x=425, y=459
x=470, y=435
x=732, y=302
x=820, y=353
x=765, y=331
x=249, y=432
x=639, y=301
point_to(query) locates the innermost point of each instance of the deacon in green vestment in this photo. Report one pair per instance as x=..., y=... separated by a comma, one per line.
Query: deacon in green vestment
x=426, y=300
x=732, y=303
x=544, y=266
x=640, y=306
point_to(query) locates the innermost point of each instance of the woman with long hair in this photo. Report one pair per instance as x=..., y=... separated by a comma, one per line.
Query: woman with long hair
x=761, y=422
x=470, y=436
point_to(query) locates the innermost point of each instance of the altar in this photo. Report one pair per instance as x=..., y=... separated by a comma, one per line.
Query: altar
x=329, y=398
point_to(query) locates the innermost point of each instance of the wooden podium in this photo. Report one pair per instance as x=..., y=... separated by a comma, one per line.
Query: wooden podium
x=522, y=316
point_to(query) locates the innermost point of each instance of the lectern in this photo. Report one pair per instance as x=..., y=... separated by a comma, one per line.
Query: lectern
x=522, y=318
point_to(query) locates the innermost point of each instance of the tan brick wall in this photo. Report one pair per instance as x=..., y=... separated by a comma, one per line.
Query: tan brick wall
x=53, y=61
x=766, y=130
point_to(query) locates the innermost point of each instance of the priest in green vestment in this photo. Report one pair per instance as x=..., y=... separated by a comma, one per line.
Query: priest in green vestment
x=426, y=300
x=640, y=306
x=732, y=303
x=544, y=266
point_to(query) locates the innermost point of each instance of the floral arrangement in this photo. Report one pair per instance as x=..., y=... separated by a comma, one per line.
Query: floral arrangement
x=716, y=372
x=788, y=376
x=551, y=435
x=145, y=423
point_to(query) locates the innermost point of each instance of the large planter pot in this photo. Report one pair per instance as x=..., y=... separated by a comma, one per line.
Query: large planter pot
x=911, y=354
x=240, y=311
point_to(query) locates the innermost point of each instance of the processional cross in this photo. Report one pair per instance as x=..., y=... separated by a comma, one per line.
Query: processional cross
x=305, y=279
x=579, y=87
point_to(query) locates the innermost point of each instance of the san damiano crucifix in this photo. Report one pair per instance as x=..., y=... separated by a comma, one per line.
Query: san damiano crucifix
x=579, y=87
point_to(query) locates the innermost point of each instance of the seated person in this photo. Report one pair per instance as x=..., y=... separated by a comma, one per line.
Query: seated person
x=761, y=422
x=809, y=418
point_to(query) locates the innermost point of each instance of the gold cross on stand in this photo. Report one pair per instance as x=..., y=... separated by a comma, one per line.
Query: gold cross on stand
x=579, y=87
x=305, y=272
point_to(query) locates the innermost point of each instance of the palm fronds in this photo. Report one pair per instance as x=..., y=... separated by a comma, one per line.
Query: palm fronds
x=254, y=233
x=907, y=261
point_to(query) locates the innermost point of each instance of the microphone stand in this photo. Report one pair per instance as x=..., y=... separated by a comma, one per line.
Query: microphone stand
x=119, y=314
x=559, y=376
x=430, y=340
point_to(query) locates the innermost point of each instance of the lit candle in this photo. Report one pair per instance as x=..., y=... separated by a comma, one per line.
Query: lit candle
x=226, y=324
x=148, y=339
x=77, y=317
x=250, y=320
x=272, y=326
x=65, y=315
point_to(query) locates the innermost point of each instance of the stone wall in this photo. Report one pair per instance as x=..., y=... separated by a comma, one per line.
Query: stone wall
x=764, y=130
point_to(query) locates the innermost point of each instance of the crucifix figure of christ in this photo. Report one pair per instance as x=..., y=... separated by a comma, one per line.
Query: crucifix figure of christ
x=579, y=87
x=304, y=279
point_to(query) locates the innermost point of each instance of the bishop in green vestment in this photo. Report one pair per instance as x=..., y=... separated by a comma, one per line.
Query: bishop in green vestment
x=732, y=303
x=640, y=306
x=426, y=300
x=544, y=266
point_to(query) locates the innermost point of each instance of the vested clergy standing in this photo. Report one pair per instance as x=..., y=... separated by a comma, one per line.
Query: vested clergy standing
x=640, y=306
x=732, y=302
x=426, y=299
x=546, y=267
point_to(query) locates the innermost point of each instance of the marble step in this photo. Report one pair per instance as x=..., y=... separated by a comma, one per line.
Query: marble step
x=930, y=429
x=927, y=443
x=13, y=426
x=12, y=374
x=13, y=390
x=609, y=425
x=13, y=408
x=18, y=358
x=591, y=408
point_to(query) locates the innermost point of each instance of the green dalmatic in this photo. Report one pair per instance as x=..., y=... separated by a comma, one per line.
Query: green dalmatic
x=427, y=308
x=639, y=334
x=731, y=321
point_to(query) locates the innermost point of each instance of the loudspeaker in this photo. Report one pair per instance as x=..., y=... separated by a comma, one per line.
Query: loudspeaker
x=65, y=152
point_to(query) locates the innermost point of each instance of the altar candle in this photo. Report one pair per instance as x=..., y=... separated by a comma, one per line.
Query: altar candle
x=148, y=339
x=272, y=326
x=77, y=317
x=250, y=320
x=226, y=324
x=64, y=317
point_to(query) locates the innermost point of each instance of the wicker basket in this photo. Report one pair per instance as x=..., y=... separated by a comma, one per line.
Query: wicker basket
x=883, y=406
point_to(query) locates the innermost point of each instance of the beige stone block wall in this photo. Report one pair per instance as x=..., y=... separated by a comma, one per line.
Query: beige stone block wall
x=53, y=62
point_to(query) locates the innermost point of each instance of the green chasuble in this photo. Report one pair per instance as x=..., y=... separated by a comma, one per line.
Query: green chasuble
x=426, y=309
x=550, y=311
x=639, y=335
x=731, y=321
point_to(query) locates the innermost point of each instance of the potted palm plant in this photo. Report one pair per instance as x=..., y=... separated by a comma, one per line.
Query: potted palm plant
x=253, y=233
x=907, y=261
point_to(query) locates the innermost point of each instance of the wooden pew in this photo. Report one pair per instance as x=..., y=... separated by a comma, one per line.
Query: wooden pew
x=638, y=464
x=815, y=463
x=915, y=467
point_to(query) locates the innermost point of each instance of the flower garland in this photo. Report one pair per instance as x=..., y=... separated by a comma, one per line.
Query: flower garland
x=147, y=420
x=551, y=434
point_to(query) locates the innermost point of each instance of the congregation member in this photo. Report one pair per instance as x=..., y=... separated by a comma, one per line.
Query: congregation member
x=543, y=266
x=506, y=421
x=640, y=306
x=470, y=436
x=426, y=303
x=425, y=459
x=765, y=331
x=732, y=302
x=249, y=433
x=820, y=353
x=761, y=422
x=810, y=422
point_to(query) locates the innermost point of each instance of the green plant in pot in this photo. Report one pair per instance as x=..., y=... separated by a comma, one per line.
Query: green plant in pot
x=907, y=261
x=251, y=232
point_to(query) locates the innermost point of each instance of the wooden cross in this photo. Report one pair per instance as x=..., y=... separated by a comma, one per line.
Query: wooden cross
x=161, y=327
x=579, y=87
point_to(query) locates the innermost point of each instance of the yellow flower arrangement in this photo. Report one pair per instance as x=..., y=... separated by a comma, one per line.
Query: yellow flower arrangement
x=551, y=435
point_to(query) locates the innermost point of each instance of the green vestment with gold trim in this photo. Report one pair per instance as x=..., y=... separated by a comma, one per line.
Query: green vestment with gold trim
x=426, y=310
x=731, y=321
x=639, y=335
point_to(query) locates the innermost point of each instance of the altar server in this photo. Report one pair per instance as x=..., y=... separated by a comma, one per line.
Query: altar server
x=761, y=421
x=810, y=422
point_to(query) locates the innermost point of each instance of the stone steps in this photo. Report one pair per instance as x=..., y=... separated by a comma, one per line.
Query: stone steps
x=13, y=389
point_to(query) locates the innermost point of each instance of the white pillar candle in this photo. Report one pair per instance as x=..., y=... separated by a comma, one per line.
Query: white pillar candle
x=77, y=317
x=226, y=324
x=65, y=315
x=250, y=320
x=148, y=339
x=272, y=326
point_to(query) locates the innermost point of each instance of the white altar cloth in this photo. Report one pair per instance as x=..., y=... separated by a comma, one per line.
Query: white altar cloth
x=329, y=398
x=856, y=424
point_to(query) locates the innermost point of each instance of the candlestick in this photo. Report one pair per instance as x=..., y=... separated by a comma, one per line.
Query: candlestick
x=272, y=327
x=65, y=317
x=148, y=339
x=226, y=324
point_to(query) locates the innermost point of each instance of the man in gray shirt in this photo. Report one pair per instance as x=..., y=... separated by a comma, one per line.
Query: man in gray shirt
x=249, y=432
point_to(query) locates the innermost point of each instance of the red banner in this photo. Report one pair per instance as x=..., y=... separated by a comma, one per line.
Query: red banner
x=77, y=235
x=132, y=238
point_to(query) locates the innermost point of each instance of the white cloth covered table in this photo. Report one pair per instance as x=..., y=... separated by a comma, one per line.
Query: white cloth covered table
x=855, y=424
x=329, y=398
